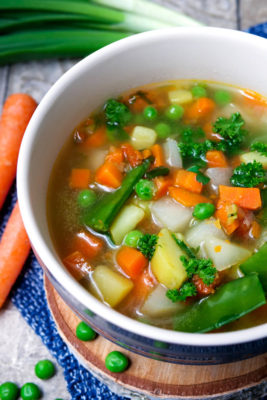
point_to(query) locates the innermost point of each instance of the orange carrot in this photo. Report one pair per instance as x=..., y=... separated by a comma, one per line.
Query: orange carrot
x=146, y=153
x=200, y=109
x=115, y=155
x=187, y=180
x=216, y=158
x=133, y=156
x=87, y=244
x=157, y=152
x=79, y=178
x=14, y=249
x=249, y=198
x=16, y=114
x=96, y=139
x=77, y=265
x=109, y=175
x=162, y=183
x=186, y=198
x=227, y=213
x=132, y=261
x=252, y=98
x=255, y=230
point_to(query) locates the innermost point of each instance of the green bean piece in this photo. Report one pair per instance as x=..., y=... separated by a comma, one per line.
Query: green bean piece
x=257, y=263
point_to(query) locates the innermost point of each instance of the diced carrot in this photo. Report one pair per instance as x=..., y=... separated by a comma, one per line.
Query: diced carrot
x=87, y=244
x=207, y=128
x=187, y=198
x=14, y=249
x=79, y=178
x=202, y=108
x=249, y=198
x=97, y=139
x=133, y=156
x=16, y=114
x=157, y=153
x=162, y=183
x=132, y=261
x=115, y=155
x=255, y=230
x=253, y=98
x=187, y=180
x=146, y=153
x=77, y=265
x=227, y=213
x=216, y=158
x=109, y=175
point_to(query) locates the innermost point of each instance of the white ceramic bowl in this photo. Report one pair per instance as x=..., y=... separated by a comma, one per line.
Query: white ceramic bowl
x=180, y=53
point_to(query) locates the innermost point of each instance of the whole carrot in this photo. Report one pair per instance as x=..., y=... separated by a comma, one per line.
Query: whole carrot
x=14, y=249
x=16, y=114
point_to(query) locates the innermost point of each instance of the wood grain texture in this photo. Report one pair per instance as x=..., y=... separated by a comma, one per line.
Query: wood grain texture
x=151, y=377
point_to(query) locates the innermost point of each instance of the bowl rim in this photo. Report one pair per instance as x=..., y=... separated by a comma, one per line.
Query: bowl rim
x=35, y=235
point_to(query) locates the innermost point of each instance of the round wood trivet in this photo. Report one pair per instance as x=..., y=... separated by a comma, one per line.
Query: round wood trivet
x=157, y=379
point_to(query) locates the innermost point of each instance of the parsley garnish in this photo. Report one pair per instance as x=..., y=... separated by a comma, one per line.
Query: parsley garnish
x=232, y=132
x=260, y=148
x=117, y=114
x=248, y=175
x=188, y=289
x=202, y=267
x=188, y=250
x=196, y=151
x=147, y=244
x=200, y=176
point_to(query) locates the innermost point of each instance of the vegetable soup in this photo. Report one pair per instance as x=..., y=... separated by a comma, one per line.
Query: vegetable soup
x=157, y=205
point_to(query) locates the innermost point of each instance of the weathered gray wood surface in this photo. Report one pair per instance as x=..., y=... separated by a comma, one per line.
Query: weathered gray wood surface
x=36, y=78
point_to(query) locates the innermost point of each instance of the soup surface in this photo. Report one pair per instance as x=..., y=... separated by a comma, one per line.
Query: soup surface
x=157, y=205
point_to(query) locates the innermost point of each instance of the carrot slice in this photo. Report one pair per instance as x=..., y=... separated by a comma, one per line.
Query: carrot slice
x=77, y=265
x=87, y=244
x=187, y=180
x=14, y=249
x=16, y=114
x=157, y=152
x=187, y=198
x=131, y=261
x=255, y=230
x=79, y=178
x=97, y=139
x=133, y=156
x=115, y=155
x=162, y=183
x=227, y=215
x=202, y=108
x=249, y=198
x=109, y=175
x=146, y=153
x=216, y=158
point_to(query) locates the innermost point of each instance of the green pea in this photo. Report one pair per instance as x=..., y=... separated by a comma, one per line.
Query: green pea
x=44, y=369
x=145, y=189
x=203, y=210
x=9, y=391
x=198, y=91
x=174, y=112
x=132, y=238
x=163, y=130
x=116, y=361
x=30, y=391
x=86, y=198
x=150, y=113
x=222, y=97
x=84, y=332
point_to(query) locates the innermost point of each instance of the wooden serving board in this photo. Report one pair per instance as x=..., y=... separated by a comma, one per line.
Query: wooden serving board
x=157, y=379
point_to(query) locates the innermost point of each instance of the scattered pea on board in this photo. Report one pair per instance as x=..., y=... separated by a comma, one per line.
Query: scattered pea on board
x=30, y=391
x=116, y=361
x=84, y=332
x=44, y=369
x=9, y=391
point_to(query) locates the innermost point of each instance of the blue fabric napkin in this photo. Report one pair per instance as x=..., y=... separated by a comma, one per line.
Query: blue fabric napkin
x=28, y=296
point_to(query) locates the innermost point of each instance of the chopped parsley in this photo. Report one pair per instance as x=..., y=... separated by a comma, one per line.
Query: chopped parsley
x=147, y=244
x=117, y=114
x=248, y=175
x=188, y=250
x=188, y=289
x=196, y=151
x=202, y=267
x=200, y=176
x=260, y=148
x=189, y=134
x=232, y=132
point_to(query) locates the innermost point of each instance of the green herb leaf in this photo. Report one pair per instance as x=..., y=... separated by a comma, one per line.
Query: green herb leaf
x=117, y=114
x=188, y=250
x=231, y=129
x=188, y=289
x=202, y=267
x=158, y=171
x=260, y=148
x=248, y=175
x=147, y=245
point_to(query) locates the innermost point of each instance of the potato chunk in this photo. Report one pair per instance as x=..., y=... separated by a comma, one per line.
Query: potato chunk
x=166, y=264
x=143, y=137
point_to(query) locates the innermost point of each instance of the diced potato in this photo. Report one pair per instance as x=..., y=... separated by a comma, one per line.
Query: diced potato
x=143, y=138
x=157, y=304
x=126, y=220
x=254, y=156
x=169, y=214
x=180, y=96
x=109, y=285
x=225, y=254
x=166, y=264
x=144, y=204
x=198, y=233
